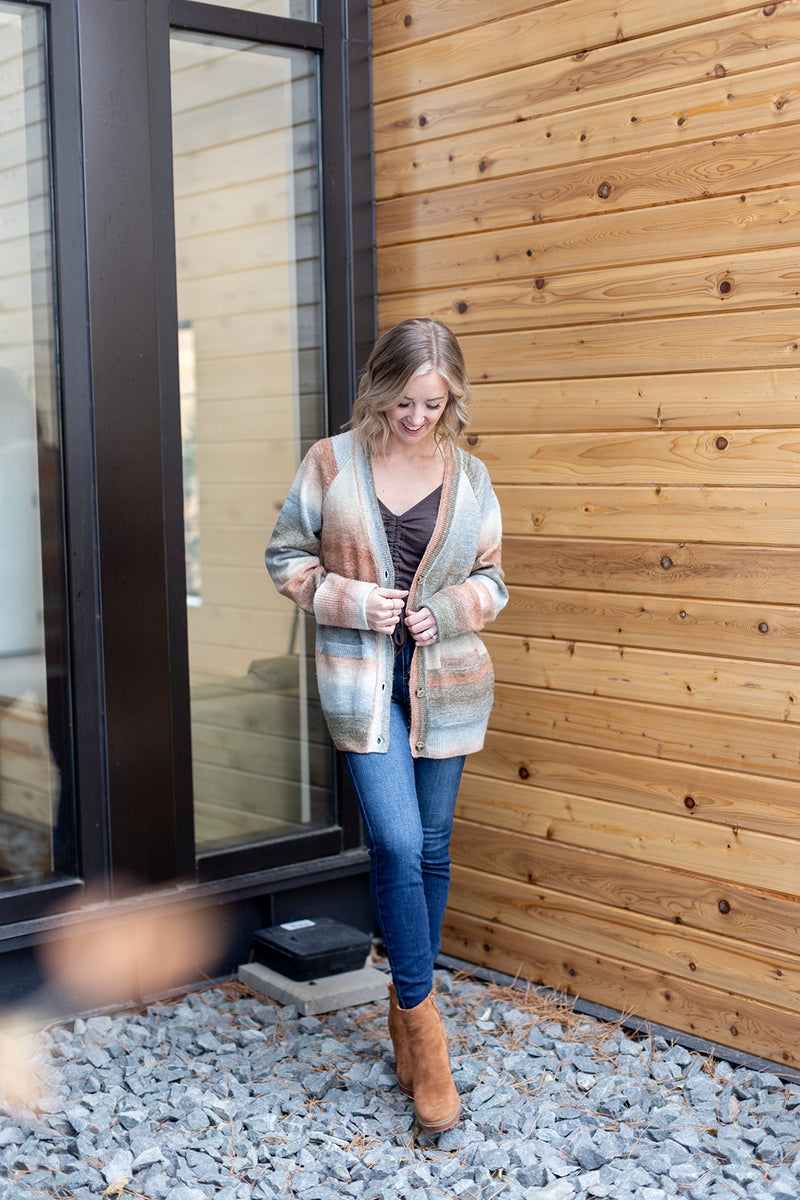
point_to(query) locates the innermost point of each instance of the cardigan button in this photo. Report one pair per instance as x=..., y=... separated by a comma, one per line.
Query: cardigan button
x=420, y=692
x=420, y=745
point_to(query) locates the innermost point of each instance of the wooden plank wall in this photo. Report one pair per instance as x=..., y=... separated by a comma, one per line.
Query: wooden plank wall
x=604, y=202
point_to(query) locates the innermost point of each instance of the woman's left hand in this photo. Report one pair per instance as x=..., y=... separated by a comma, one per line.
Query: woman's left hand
x=422, y=626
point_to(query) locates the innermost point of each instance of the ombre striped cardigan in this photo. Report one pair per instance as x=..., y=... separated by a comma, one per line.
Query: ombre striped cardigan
x=329, y=550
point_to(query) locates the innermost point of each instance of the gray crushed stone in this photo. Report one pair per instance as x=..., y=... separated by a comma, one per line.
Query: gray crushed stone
x=223, y=1094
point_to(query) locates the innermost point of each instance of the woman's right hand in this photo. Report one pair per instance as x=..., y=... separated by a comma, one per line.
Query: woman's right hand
x=384, y=606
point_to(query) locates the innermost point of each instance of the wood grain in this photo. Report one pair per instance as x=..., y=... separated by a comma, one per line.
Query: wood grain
x=747, y=221
x=679, y=569
x=769, y=975
x=768, y=279
x=710, y=49
x=714, y=458
x=741, y=516
x=534, y=35
x=604, y=205
x=763, y=633
x=644, y=836
x=704, y=682
x=719, y=1015
x=674, y=896
x=679, y=400
x=656, y=120
x=736, y=164
x=718, y=740
x=683, y=790
x=399, y=23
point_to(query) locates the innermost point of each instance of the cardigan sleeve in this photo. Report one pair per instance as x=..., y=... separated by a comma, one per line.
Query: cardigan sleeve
x=293, y=555
x=466, y=607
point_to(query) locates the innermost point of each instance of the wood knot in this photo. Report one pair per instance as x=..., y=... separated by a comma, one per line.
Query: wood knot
x=721, y=443
x=666, y=562
x=408, y=20
x=726, y=286
x=539, y=283
x=682, y=120
x=523, y=773
x=472, y=440
x=483, y=165
x=423, y=121
x=604, y=190
x=763, y=627
x=462, y=306
x=689, y=801
x=682, y=614
x=720, y=71
x=769, y=10
x=724, y=907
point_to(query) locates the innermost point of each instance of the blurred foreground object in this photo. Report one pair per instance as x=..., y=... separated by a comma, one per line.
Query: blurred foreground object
x=137, y=952
x=23, y=1085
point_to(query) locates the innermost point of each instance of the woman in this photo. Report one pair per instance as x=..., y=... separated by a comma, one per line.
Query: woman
x=390, y=536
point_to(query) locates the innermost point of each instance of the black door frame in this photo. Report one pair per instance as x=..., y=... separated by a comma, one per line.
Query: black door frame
x=121, y=440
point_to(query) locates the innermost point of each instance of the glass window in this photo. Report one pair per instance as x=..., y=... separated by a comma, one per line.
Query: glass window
x=245, y=142
x=300, y=10
x=36, y=827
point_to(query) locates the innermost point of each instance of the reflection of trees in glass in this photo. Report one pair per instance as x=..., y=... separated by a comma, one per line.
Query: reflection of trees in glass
x=191, y=490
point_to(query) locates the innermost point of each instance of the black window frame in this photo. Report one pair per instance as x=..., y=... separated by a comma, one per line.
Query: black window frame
x=121, y=438
x=84, y=766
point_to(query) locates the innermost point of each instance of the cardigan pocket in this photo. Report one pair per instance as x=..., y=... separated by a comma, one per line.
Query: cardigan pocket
x=459, y=682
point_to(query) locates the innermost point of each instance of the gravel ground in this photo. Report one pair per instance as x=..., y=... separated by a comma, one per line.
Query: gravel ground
x=223, y=1094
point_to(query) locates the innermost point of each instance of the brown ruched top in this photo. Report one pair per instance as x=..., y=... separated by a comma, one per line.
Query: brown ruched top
x=408, y=535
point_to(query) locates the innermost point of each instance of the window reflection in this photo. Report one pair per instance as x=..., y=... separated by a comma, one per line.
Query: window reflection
x=300, y=10
x=36, y=827
x=247, y=228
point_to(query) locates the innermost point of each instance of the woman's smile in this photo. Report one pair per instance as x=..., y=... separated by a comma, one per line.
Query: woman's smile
x=417, y=413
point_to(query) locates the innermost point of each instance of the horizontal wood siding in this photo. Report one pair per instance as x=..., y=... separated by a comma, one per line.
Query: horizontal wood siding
x=604, y=203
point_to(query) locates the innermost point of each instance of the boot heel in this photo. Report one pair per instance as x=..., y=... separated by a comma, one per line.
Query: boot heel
x=436, y=1102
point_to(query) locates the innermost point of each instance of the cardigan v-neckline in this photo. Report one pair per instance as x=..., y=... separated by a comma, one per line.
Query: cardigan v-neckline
x=407, y=511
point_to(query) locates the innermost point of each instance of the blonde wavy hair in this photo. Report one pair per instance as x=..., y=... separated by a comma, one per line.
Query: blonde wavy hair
x=412, y=348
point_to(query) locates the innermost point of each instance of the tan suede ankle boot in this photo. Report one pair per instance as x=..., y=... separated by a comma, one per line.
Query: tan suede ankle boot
x=436, y=1101
x=402, y=1053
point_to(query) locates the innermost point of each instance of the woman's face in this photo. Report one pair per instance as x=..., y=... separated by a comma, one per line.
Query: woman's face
x=417, y=412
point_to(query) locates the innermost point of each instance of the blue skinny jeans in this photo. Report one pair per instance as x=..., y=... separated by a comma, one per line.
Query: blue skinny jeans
x=407, y=807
